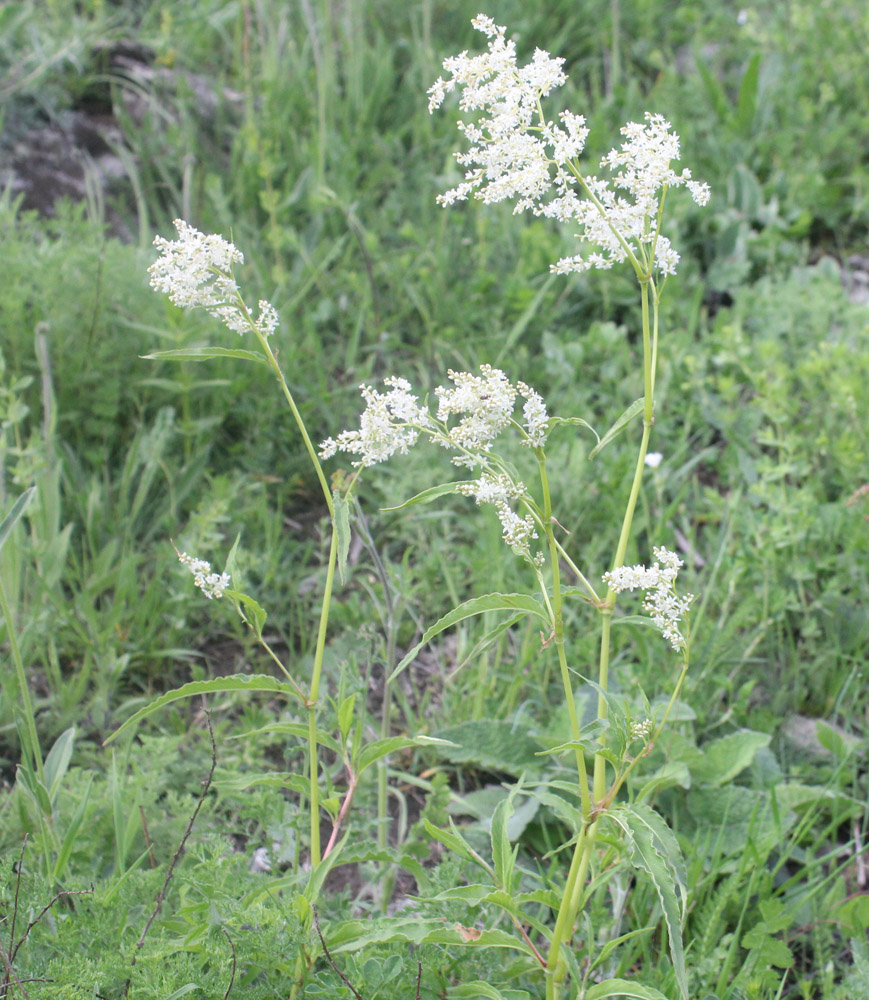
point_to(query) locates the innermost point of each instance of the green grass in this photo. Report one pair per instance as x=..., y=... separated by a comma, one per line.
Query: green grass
x=320, y=160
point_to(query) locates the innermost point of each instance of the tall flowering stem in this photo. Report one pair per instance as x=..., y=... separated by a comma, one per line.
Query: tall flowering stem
x=514, y=152
x=196, y=271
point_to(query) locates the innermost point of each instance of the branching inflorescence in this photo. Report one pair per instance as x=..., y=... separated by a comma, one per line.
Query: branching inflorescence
x=470, y=415
x=515, y=152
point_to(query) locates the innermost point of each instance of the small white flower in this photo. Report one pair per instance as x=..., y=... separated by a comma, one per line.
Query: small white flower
x=664, y=605
x=653, y=459
x=499, y=490
x=211, y=584
x=640, y=730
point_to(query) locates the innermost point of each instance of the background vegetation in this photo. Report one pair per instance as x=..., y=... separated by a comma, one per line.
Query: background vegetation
x=300, y=129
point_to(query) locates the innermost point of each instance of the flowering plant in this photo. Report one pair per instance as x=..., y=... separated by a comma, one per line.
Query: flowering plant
x=515, y=152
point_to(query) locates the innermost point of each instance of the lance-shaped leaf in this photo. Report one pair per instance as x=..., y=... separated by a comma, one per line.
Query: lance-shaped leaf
x=622, y=988
x=373, y=752
x=432, y=493
x=217, y=685
x=204, y=354
x=554, y=422
x=476, y=606
x=632, y=411
x=15, y=513
x=341, y=527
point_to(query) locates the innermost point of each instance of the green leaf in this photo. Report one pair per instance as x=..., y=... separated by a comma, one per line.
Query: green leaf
x=653, y=849
x=341, y=527
x=275, y=779
x=252, y=613
x=674, y=772
x=318, y=875
x=71, y=833
x=432, y=493
x=840, y=744
x=216, y=685
x=642, y=620
x=182, y=991
x=622, y=988
x=354, y=935
x=381, y=748
x=345, y=715
x=603, y=955
x=589, y=739
x=486, y=641
x=494, y=744
x=574, y=421
x=29, y=781
x=747, y=100
x=57, y=761
x=204, y=354
x=632, y=411
x=724, y=758
x=231, y=564
x=475, y=606
x=299, y=729
x=502, y=855
x=456, y=843
x=18, y=508
x=470, y=991
x=714, y=90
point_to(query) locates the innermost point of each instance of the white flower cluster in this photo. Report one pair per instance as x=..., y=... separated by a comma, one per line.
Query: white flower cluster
x=515, y=153
x=390, y=423
x=623, y=215
x=536, y=417
x=499, y=490
x=505, y=159
x=488, y=401
x=393, y=421
x=662, y=602
x=640, y=730
x=196, y=270
x=211, y=584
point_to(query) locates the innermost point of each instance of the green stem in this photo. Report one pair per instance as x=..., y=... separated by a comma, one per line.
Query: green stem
x=558, y=629
x=314, y=691
x=556, y=967
x=585, y=845
x=285, y=389
x=312, y=700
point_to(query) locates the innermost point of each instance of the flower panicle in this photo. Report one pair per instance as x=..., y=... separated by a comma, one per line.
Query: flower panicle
x=393, y=421
x=211, y=584
x=470, y=414
x=514, y=153
x=195, y=271
x=664, y=605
